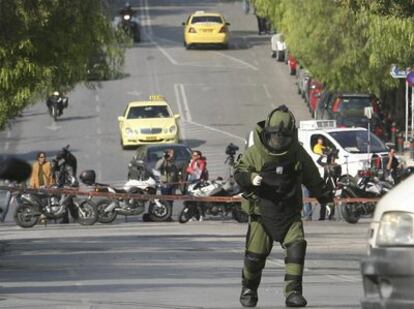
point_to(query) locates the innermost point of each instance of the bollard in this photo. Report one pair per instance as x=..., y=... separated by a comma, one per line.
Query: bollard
x=394, y=133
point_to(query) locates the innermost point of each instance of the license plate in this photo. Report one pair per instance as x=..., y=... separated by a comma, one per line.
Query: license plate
x=150, y=138
x=207, y=30
x=338, y=192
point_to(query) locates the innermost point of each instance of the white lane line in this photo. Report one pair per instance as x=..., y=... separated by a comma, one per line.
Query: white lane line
x=185, y=103
x=218, y=131
x=180, y=110
x=267, y=91
x=251, y=66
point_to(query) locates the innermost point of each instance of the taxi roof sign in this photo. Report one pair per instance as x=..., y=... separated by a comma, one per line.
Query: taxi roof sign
x=156, y=98
x=317, y=124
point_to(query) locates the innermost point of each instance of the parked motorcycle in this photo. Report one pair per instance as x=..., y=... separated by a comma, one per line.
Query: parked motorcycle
x=218, y=187
x=367, y=186
x=109, y=209
x=32, y=206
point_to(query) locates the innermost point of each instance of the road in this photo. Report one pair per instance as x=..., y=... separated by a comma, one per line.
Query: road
x=220, y=95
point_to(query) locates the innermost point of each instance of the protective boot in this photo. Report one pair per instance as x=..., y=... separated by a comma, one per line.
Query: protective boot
x=248, y=297
x=295, y=299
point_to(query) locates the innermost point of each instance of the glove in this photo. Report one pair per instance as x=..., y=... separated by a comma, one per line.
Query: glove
x=256, y=179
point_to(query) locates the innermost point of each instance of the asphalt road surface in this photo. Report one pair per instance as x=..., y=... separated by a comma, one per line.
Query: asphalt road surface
x=220, y=95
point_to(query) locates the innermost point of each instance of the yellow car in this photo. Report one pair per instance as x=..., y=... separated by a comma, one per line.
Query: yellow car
x=206, y=28
x=148, y=122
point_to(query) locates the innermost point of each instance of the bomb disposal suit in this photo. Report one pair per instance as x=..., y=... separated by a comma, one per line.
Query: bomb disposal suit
x=271, y=173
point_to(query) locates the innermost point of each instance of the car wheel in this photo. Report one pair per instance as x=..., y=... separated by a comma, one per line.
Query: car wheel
x=187, y=46
x=225, y=46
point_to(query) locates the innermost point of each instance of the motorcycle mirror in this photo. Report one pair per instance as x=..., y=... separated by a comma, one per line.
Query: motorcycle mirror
x=120, y=118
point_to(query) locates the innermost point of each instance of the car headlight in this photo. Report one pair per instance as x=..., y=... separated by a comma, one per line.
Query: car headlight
x=396, y=229
x=173, y=129
x=129, y=131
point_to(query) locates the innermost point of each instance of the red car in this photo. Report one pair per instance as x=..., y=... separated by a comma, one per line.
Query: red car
x=315, y=89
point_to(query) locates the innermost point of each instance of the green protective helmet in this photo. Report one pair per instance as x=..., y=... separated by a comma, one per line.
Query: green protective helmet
x=280, y=130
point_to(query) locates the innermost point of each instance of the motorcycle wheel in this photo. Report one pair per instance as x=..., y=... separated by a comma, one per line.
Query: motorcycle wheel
x=105, y=216
x=347, y=210
x=87, y=213
x=54, y=113
x=159, y=212
x=239, y=215
x=26, y=215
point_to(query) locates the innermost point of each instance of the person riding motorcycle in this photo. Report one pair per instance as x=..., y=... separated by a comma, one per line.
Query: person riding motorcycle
x=271, y=173
x=59, y=99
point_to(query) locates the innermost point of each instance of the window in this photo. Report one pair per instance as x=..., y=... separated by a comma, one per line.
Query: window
x=143, y=112
x=326, y=142
x=207, y=19
x=357, y=141
x=353, y=107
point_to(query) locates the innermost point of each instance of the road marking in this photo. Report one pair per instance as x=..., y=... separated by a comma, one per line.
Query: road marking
x=218, y=131
x=185, y=102
x=251, y=66
x=180, y=111
x=267, y=91
x=53, y=127
x=135, y=93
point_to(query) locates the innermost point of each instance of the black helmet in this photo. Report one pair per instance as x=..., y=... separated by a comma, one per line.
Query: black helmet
x=88, y=177
x=279, y=130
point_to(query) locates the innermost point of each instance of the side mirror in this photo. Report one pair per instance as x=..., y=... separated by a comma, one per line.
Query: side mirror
x=183, y=24
x=121, y=118
x=139, y=161
x=227, y=24
x=177, y=116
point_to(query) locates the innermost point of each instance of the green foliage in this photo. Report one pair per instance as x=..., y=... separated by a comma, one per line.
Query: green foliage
x=47, y=45
x=348, y=44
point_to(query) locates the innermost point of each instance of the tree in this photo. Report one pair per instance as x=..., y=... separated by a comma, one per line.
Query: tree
x=348, y=44
x=47, y=45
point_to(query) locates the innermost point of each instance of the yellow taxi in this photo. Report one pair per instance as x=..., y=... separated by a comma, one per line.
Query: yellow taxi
x=148, y=122
x=206, y=28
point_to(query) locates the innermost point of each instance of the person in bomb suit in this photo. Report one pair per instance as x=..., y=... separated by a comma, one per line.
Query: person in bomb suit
x=271, y=173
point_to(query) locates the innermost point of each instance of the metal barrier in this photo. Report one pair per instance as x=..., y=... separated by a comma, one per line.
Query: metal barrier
x=146, y=197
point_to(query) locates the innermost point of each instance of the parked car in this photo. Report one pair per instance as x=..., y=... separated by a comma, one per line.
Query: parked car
x=348, y=111
x=303, y=81
x=143, y=162
x=278, y=46
x=388, y=269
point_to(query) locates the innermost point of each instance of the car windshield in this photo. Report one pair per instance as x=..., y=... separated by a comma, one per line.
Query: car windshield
x=354, y=107
x=207, y=19
x=356, y=141
x=180, y=153
x=154, y=111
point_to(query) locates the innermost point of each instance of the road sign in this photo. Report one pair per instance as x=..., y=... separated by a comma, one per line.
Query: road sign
x=396, y=72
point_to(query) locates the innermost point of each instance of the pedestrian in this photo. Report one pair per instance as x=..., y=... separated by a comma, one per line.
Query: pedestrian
x=331, y=173
x=197, y=167
x=393, y=166
x=261, y=21
x=169, y=173
x=307, y=206
x=319, y=147
x=42, y=172
x=246, y=6
x=271, y=173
